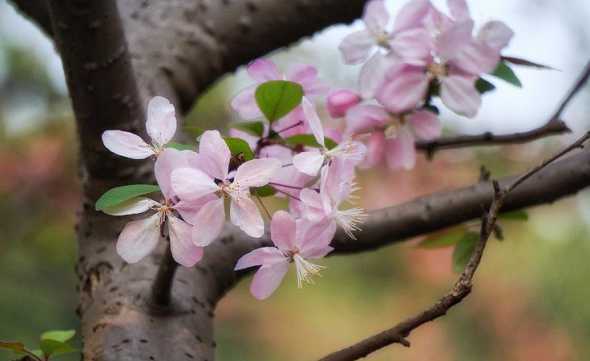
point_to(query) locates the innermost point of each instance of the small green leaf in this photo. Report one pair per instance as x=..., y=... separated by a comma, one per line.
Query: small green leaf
x=504, y=72
x=180, y=146
x=254, y=128
x=277, y=98
x=239, y=146
x=118, y=195
x=309, y=140
x=463, y=250
x=483, y=86
x=515, y=216
x=265, y=191
x=444, y=239
x=55, y=348
x=194, y=130
x=59, y=335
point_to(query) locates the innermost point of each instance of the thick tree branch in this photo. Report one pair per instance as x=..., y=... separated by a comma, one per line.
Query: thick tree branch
x=37, y=11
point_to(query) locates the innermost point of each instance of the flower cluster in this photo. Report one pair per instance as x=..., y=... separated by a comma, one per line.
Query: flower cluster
x=284, y=149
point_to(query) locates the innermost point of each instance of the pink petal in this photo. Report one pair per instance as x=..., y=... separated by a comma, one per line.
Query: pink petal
x=316, y=239
x=134, y=206
x=257, y=172
x=425, y=124
x=260, y=256
x=364, y=118
x=413, y=45
x=189, y=209
x=495, y=34
x=291, y=124
x=245, y=215
x=183, y=250
x=139, y=238
x=404, y=89
x=169, y=160
x=375, y=150
x=313, y=120
x=452, y=41
x=291, y=177
x=339, y=101
x=161, y=120
x=412, y=15
x=309, y=162
x=213, y=146
x=401, y=151
x=251, y=139
x=476, y=59
x=356, y=47
x=460, y=95
x=307, y=77
x=126, y=144
x=312, y=208
x=376, y=16
x=208, y=223
x=372, y=74
x=263, y=70
x=459, y=10
x=244, y=103
x=267, y=279
x=336, y=183
x=283, y=231
x=192, y=183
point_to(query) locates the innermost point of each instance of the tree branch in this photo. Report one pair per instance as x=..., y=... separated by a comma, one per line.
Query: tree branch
x=37, y=11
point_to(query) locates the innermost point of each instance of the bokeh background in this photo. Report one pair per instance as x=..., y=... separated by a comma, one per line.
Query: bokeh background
x=531, y=297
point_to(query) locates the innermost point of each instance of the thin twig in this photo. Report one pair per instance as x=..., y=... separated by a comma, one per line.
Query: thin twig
x=164, y=281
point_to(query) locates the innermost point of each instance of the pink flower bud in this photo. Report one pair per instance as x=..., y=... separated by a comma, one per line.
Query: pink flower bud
x=340, y=101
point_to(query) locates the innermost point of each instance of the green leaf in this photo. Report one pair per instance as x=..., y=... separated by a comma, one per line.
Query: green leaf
x=309, y=140
x=118, y=195
x=180, y=146
x=194, y=130
x=239, y=146
x=277, y=98
x=483, y=86
x=463, y=250
x=504, y=72
x=515, y=216
x=59, y=335
x=265, y=191
x=55, y=348
x=254, y=128
x=444, y=239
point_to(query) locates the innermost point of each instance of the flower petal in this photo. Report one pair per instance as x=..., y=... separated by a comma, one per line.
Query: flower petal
x=260, y=256
x=134, y=206
x=401, y=151
x=313, y=120
x=356, y=47
x=412, y=15
x=372, y=74
x=476, y=59
x=283, y=230
x=263, y=70
x=376, y=16
x=212, y=146
x=311, y=202
x=208, y=223
x=183, y=250
x=453, y=40
x=309, y=162
x=257, y=172
x=161, y=120
x=192, y=183
x=375, y=150
x=459, y=10
x=169, y=160
x=267, y=279
x=495, y=34
x=126, y=144
x=425, y=124
x=307, y=76
x=139, y=238
x=413, y=45
x=460, y=95
x=316, y=239
x=245, y=215
x=364, y=118
x=340, y=101
x=404, y=89
x=245, y=103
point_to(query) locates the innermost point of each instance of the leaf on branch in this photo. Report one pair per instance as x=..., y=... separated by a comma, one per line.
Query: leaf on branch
x=116, y=196
x=239, y=147
x=180, y=146
x=309, y=140
x=14, y=346
x=504, y=72
x=278, y=98
x=54, y=343
x=254, y=128
x=443, y=239
x=483, y=86
x=265, y=191
x=523, y=62
x=463, y=251
x=515, y=216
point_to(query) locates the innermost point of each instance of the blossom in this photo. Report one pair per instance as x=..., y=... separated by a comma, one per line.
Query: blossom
x=139, y=238
x=339, y=101
x=336, y=186
x=209, y=176
x=310, y=162
x=160, y=126
x=263, y=70
x=294, y=241
x=393, y=135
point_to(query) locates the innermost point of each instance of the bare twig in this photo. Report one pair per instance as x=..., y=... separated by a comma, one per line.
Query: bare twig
x=164, y=281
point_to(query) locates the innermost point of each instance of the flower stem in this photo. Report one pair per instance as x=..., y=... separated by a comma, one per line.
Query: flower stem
x=162, y=286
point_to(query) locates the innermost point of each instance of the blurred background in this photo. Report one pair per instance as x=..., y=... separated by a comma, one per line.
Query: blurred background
x=530, y=298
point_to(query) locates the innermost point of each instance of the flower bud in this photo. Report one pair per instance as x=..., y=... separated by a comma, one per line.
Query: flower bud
x=340, y=101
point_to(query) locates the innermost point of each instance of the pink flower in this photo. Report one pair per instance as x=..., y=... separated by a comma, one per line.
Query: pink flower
x=139, y=238
x=160, y=125
x=263, y=70
x=310, y=162
x=339, y=101
x=210, y=177
x=393, y=135
x=295, y=241
x=336, y=185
